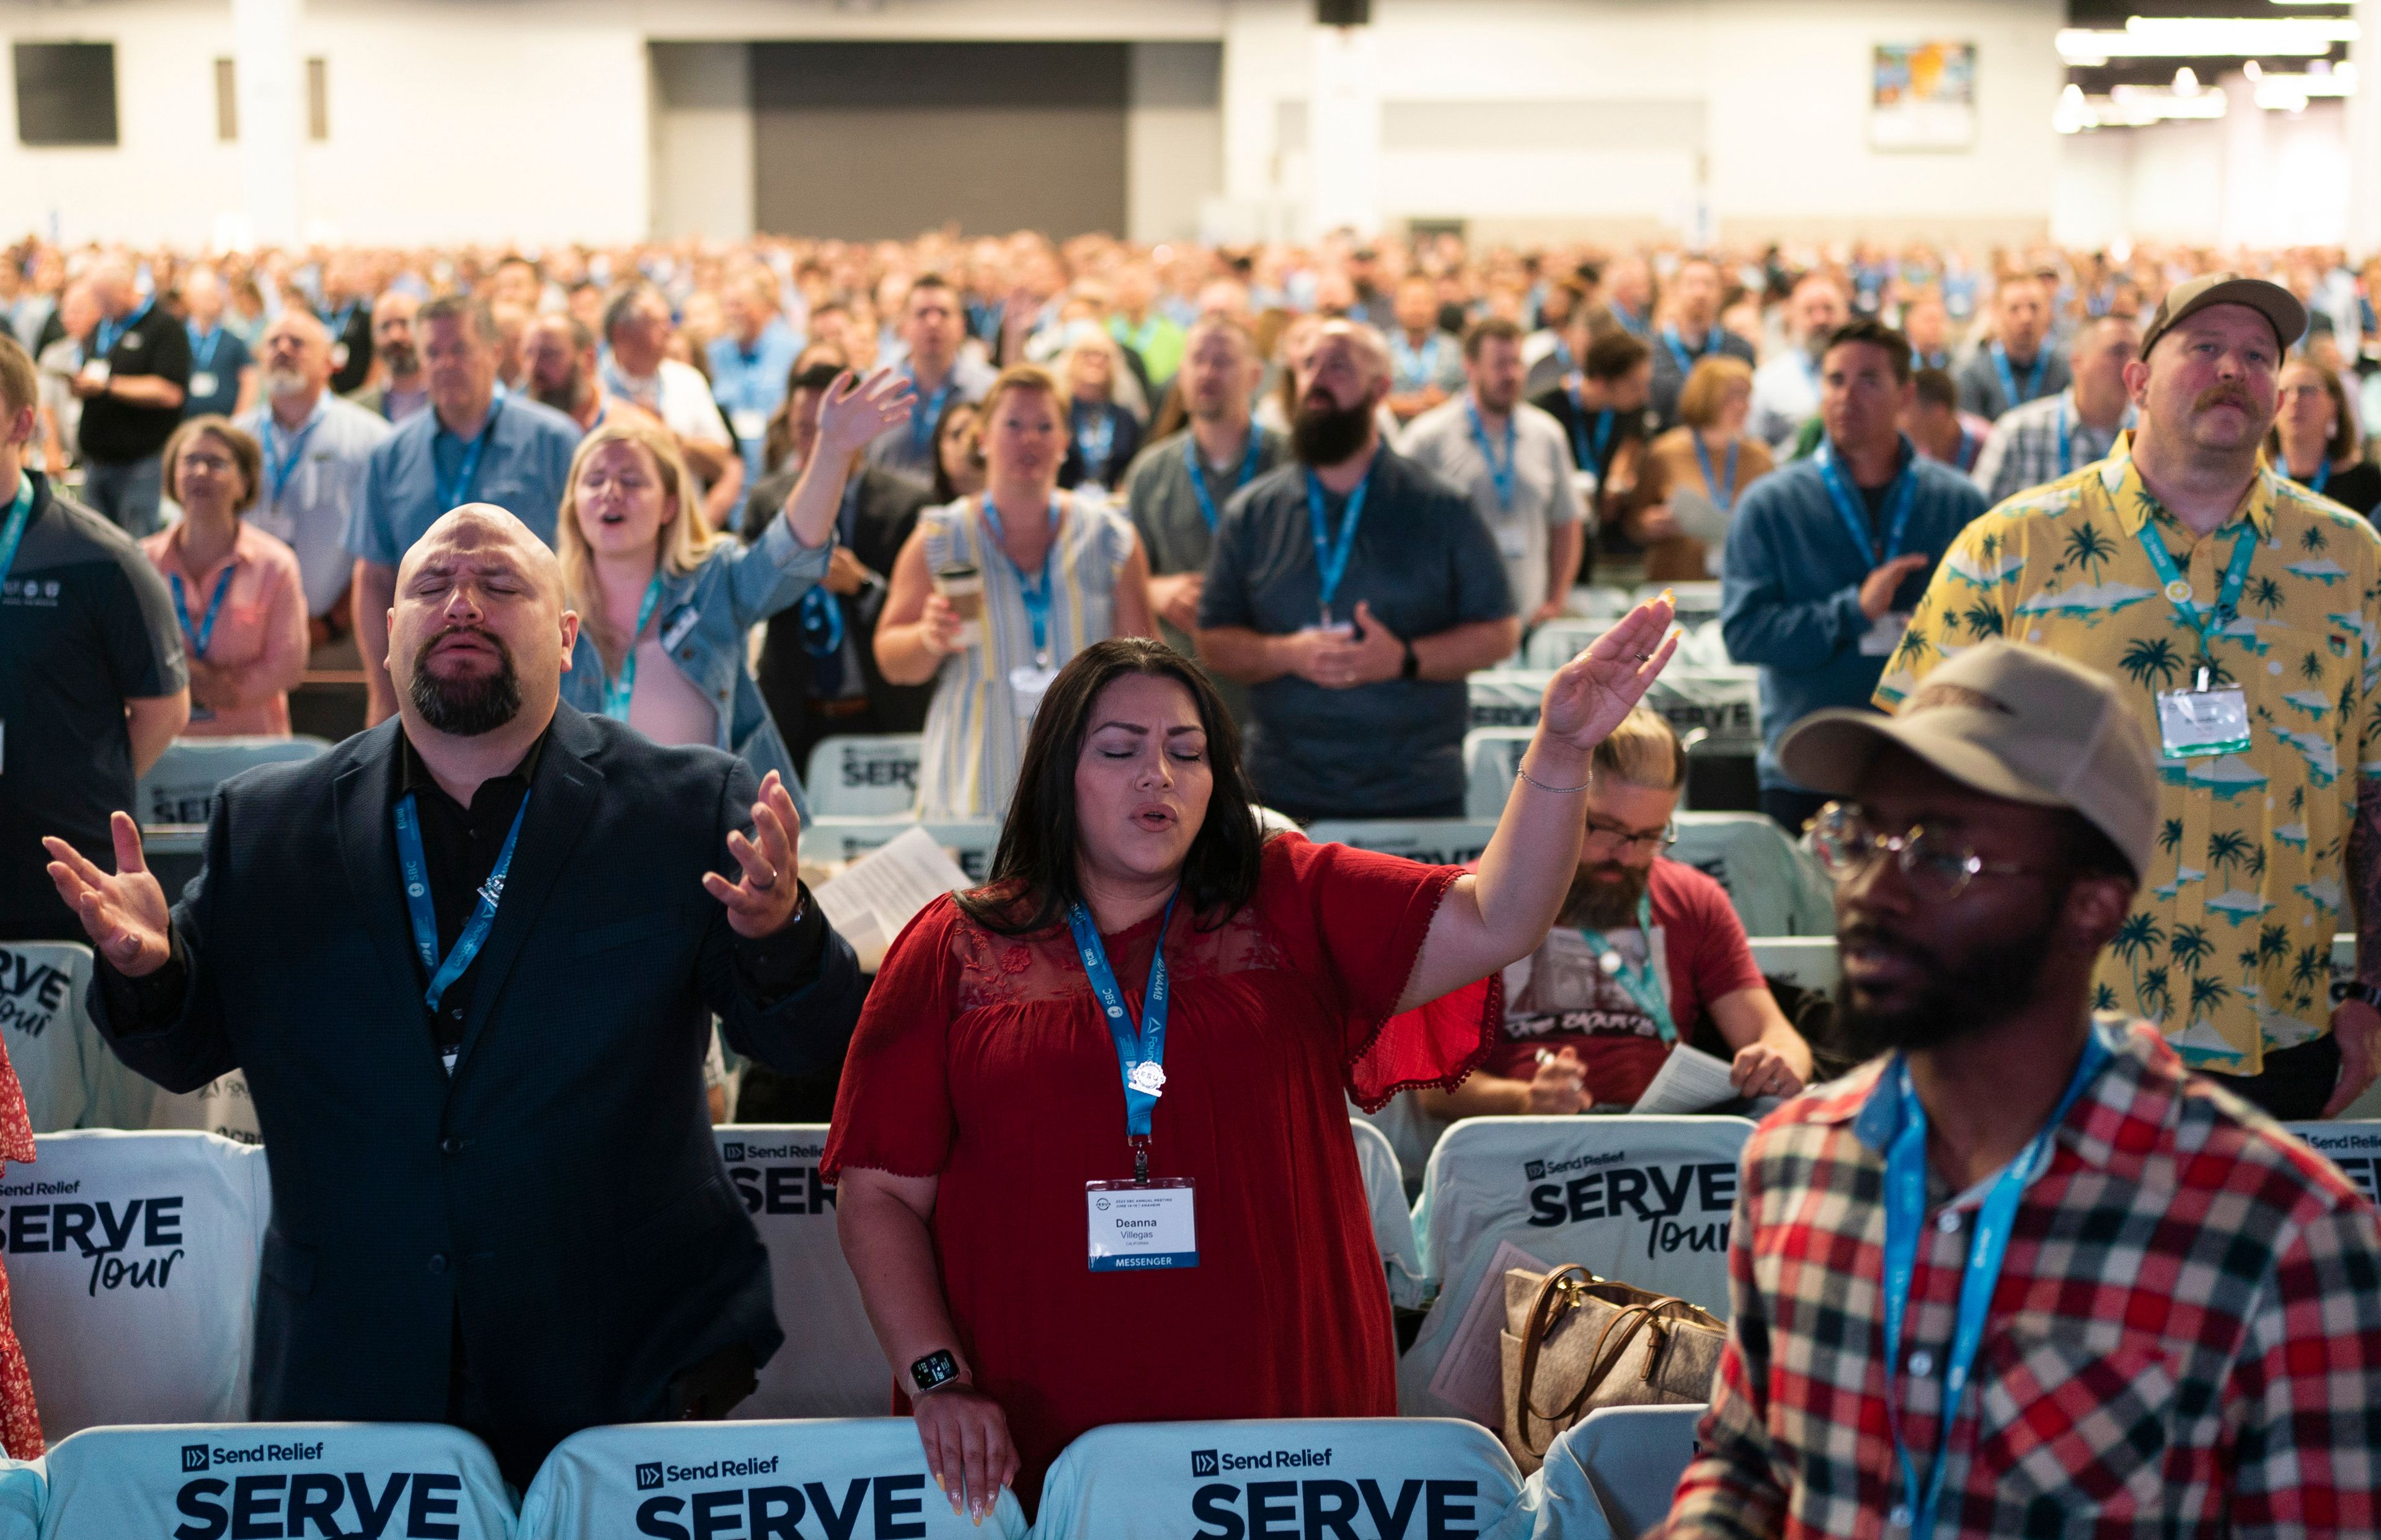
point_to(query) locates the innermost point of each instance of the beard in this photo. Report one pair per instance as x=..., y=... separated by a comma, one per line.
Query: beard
x=401, y=359
x=1604, y=896
x=469, y=706
x=563, y=396
x=1325, y=434
x=286, y=382
x=1959, y=999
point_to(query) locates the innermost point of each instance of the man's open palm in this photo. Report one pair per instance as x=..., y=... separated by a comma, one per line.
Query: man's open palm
x=125, y=915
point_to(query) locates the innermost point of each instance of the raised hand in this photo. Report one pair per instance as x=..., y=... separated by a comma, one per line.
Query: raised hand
x=125, y=915
x=855, y=410
x=761, y=901
x=1589, y=695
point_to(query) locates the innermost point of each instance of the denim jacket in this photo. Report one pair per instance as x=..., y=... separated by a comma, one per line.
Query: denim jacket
x=702, y=618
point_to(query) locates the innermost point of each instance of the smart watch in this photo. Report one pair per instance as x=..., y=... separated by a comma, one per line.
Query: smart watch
x=2361, y=991
x=933, y=1371
x=1411, y=667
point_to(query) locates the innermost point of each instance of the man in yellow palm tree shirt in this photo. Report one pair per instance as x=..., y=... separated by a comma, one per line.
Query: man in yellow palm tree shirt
x=2242, y=613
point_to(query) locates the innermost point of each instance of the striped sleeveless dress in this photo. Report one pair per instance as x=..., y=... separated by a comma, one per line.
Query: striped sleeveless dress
x=975, y=739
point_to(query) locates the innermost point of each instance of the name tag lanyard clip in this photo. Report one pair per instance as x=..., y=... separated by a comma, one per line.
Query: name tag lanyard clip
x=1140, y=1054
x=1331, y=556
x=1035, y=591
x=2203, y=720
x=1640, y=981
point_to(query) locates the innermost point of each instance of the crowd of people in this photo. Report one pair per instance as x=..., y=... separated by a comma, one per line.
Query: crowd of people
x=2055, y=570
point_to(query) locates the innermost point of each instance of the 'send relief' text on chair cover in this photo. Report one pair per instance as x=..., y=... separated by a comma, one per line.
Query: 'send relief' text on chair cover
x=2353, y=1145
x=46, y=1029
x=1644, y=1200
x=1385, y=1195
x=1355, y=1479
x=180, y=788
x=851, y=1479
x=830, y=1365
x=865, y=775
x=132, y=1261
x=395, y=1480
x=1612, y=1476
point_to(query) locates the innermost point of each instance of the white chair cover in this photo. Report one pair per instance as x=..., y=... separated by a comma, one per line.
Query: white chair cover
x=864, y=775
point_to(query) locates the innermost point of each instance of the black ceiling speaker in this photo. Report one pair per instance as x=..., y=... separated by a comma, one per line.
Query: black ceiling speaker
x=1343, y=13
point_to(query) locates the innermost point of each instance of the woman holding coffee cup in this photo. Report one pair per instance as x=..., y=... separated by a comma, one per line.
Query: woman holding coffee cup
x=992, y=595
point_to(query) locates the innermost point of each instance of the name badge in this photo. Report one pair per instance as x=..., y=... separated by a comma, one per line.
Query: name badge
x=1512, y=544
x=679, y=626
x=1884, y=635
x=1140, y=1226
x=2199, y=724
x=752, y=426
x=1328, y=628
x=97, y=371
x=202, y=383
x=1029, y=683
x=338, y=355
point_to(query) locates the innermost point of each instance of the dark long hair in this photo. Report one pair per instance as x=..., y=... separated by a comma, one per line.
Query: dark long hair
x=1033, y=877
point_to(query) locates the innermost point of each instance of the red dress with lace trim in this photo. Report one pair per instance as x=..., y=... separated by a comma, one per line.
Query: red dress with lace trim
x=983, y=1060
x=20, y=1420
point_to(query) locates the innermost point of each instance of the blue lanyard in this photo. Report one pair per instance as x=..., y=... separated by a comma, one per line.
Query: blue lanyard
x=416, y=869
x=1634, y=325
x=1905, y=1220
x=1500, y=474
x=1417, y=367
x=1094, y=438
x=110, y=333
x=1967, y=451
x=205, y=631
x=1687, y=361
x=1199, y=473
x=1035, y=592
x=339, y=321
x=1330, y=558
x=1849, y=506
x=20, y=513
x=2321, y=478
x=203, y=346
x=2009, y=382
x=279, y=464
x=921, y=427
x=452, y=493
x=2177, y=587
x=1141, y=1056
x=1722, y=492
x=1588, y=458
x=1643, y=986
x=617, y=693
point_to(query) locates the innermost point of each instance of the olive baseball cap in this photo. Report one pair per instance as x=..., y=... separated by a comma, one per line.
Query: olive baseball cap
x=2007, y=720
x=2277, y=304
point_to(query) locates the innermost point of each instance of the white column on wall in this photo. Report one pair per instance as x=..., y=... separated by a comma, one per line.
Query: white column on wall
x=2247, y=207
x=1344, y=130
x=2364, y=134
x=272, y=120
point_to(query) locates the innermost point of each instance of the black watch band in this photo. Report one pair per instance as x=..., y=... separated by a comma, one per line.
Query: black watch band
x=933, y=1371
x=2367, y=993
x=1411, y=667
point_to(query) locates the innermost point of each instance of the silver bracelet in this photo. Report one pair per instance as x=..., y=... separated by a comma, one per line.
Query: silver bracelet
x=1544, y=786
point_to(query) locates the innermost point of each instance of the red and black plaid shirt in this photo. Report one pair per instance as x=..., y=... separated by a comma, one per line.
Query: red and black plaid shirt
x=2186, y=1339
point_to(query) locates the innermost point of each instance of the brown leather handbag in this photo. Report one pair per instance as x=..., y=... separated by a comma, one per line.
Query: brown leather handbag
x=1583, y=1342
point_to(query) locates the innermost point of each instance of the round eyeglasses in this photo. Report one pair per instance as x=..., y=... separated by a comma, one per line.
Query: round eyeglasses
x=1937, y=867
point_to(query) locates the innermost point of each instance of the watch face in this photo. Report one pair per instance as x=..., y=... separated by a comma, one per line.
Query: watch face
x=934, y=1370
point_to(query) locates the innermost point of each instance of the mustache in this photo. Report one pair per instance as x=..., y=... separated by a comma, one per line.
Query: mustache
x=2224, y=395
x=1868, y=933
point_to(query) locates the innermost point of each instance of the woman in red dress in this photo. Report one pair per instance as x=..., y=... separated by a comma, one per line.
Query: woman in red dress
x=990, y=1123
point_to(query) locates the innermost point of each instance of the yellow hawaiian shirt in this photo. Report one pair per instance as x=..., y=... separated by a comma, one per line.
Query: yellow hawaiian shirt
x=2229, y=947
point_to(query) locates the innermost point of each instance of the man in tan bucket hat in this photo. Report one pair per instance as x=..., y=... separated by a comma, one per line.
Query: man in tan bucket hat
x=2023, y=1273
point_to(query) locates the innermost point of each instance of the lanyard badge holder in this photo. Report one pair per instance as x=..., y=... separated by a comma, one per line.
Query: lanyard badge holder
x=1641, y=980
x=618, y=693
x=2203, y=721
x=414, y=866
x=1884, y=635
x=1144, y=1224
x=1905, y=1221
x=1331, y=556
x=1197, y=472
x=202, y=634
x=1028, y=685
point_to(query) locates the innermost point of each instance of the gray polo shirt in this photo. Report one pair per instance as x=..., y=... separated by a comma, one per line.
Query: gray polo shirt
x=310, y=487
x=1543, y=493
x=1164, y=507
x=1426, y=564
